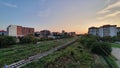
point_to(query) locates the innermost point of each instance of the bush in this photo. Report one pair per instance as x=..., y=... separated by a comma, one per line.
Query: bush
x=82, y=40
x=107, y=39
x=6, y=41
x=87, y=42
x=28, y=39
x=116, y=38
x=101, y=48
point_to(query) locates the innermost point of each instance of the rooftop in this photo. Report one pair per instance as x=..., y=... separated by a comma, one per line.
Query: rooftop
x=93, y=28
x=2, y=31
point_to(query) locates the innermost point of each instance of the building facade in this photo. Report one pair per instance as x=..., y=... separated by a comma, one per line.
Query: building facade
x=18, y=31
x=93, y=30
x=118, y=29
x=72, y=34
x=45, y=33
x=105, y=30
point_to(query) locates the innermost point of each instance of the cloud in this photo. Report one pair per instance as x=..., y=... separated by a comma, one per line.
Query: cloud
x=44, y=13
x=109, y=15
x=108, y=12
x=107, y=2
x=9, y=5
x=110, y=6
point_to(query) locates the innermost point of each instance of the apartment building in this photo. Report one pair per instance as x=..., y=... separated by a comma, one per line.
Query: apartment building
x=18, y=31
x=105, y=30
x=93, y=31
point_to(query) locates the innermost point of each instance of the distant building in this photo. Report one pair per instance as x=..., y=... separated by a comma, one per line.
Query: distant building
x=72, y=34
x=63, y=32
x=45, y=33
x=93, y=30
x=118, y=29
x=37, y=34
x=105, y=30
x=56, y=35
x=108, y=30
x=27, y=30
x=2, y=32
x=18, y=31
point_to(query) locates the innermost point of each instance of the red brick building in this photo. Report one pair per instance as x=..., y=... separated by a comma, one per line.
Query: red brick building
x=15, y=30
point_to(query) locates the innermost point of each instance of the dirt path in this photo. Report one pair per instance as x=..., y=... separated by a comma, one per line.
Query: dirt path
x=116, y=53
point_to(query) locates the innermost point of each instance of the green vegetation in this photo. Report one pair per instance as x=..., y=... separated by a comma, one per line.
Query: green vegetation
x=6, y=41
x=93, y=45
x=28, y=39
x=19, y=52
x=107, y=39
x=115, y=45
x=101, y=48
x=110, y=39
x=110, y=60
x=87, y=42
x=73, y=56
x=100, y=62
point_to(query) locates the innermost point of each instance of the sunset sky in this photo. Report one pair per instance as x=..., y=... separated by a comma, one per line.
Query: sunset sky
x=57, y=15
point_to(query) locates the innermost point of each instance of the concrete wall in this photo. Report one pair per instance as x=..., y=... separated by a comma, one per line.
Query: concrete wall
x=100, y=32
x=93, y=31
x=12, y=30
x=113, y=31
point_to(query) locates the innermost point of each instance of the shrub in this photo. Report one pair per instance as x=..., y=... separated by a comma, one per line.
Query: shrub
x=6, y=41
x=116, y=38
x=87, y=42
x=82, y=40
x=101, y=48
x=107, y=39
x=28, y=39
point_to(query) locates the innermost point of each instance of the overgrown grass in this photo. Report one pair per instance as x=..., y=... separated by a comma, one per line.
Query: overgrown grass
x=111, y=61
x=100, y=62
x=19, y=52
x=115, y=45
x=73, y=56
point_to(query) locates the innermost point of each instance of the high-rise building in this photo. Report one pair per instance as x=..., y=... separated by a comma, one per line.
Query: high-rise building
x=18, y=31
x=105, y=30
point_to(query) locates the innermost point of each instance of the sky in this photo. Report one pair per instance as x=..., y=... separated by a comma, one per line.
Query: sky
x=58, y=15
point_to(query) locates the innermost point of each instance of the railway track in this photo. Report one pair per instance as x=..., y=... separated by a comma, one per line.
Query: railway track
x=38, y=56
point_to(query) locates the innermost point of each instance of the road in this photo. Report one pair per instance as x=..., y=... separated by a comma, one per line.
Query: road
x=38, y=56
x=116, y=53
